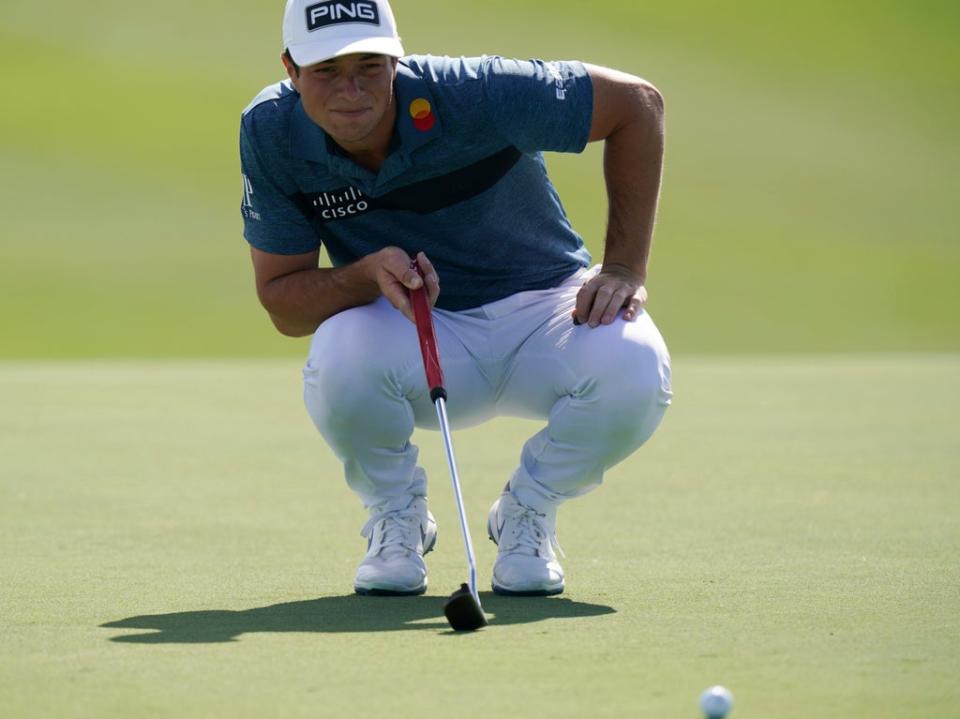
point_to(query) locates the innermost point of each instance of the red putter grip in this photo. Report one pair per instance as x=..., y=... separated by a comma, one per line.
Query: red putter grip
x=428, y=338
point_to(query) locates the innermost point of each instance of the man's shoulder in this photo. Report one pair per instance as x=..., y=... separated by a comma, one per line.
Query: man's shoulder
x=454, y=71
x=278, y=97
x=265, y=122
x=443, y=69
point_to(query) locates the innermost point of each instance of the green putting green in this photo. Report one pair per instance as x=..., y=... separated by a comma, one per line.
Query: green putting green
x=179, y=543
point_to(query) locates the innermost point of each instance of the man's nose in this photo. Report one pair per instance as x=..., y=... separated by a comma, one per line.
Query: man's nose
x=350, y=85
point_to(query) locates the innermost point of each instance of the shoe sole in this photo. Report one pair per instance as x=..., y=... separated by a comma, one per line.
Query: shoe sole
x=377, y=592
x=549, y=592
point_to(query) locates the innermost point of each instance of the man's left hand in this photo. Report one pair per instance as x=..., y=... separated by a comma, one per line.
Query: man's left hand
x=615, y=287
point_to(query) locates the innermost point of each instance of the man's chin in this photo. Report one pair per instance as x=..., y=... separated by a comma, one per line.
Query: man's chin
x=350, y=133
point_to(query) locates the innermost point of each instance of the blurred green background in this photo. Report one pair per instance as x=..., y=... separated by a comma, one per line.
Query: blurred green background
x=812, y=162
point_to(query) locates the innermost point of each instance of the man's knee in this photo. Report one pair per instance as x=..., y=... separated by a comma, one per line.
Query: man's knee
x=358, y=344
x=633, y=393
x=355, y=357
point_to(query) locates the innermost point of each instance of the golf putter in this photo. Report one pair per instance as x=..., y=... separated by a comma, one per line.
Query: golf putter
x=462, y=609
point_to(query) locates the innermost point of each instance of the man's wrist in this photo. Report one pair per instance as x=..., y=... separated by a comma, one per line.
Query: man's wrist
x=637, y=273
x=358, y=280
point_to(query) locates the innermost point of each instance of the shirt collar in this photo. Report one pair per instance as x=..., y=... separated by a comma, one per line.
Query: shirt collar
x=309, y=142
x=417, y=124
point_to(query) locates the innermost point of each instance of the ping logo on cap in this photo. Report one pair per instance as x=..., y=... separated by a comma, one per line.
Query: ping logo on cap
x=330, y=12
x=422, y=113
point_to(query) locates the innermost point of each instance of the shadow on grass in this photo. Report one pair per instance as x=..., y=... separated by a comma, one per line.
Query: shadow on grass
x=349, y=613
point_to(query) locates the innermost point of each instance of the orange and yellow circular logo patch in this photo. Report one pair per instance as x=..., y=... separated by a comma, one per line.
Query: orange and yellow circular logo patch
x=422, y=113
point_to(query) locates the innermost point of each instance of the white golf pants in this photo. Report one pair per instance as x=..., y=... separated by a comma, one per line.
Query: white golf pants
x=602, y=391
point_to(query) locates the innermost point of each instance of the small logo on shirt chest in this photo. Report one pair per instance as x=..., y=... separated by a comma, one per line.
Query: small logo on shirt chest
x=327, y=13
x=340, y=204
x=422, y=113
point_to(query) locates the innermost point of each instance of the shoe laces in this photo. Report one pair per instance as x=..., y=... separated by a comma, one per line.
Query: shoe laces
x=398, y=532
x=527, y=531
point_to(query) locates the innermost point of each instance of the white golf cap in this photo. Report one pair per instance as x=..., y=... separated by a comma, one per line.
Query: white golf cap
x=317, y=30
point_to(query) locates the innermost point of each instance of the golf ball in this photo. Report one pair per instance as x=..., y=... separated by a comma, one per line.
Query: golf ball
x=715, y=702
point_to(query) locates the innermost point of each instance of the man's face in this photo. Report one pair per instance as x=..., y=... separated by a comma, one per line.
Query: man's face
x=351, y=98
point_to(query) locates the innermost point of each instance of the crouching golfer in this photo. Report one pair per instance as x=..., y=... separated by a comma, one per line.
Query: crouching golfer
x=379, y=156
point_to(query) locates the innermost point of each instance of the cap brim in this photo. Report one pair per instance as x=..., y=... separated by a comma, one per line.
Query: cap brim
x=314, y=52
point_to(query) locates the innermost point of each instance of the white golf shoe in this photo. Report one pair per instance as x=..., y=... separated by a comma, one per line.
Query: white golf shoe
x=397, y=541
x=526, y=564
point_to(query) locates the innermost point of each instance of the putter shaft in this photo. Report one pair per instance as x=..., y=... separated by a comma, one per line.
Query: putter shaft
x=458, y=496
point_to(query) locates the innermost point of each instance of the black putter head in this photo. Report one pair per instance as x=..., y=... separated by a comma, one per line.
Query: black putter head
x=463, y=612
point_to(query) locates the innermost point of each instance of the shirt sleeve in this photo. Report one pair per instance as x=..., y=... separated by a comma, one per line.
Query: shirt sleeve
x=272, y=220
x=538, y=105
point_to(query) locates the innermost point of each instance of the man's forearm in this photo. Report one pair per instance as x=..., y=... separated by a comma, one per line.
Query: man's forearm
x=300, y=301
x=633, y=165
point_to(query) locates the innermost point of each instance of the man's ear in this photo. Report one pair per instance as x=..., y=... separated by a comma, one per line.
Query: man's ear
x=293, y=70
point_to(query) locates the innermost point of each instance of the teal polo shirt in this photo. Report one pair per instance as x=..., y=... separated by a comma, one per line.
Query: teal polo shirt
x=465, y=180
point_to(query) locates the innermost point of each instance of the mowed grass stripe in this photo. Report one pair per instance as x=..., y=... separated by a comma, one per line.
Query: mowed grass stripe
x=791, y=532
